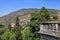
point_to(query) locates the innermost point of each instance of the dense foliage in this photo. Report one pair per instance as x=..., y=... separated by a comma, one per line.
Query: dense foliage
x=17, y=29
x=28, y=32
x=8, y=36
x=55, y=17
x=36, y=18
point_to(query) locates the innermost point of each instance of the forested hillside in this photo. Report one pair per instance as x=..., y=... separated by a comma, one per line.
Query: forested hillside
x=11, y=16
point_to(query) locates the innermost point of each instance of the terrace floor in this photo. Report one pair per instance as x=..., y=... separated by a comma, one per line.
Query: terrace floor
x=51, y=33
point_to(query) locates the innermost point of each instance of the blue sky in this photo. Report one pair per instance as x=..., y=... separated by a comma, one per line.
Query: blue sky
x=7, y=6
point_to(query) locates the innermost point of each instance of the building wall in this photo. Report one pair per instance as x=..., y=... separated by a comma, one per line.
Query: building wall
x=48, y=37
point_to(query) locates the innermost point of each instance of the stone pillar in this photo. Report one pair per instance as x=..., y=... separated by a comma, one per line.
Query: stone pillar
x=52, y=26
x=56, y=27
x=46, y=27
x=49, y=26
x=41, y=27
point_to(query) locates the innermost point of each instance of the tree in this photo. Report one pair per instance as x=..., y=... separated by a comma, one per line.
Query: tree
x=9, y=26
x=34, y=22
x=26, y=33
x=2, y=30
x=44, y=14
x=55, y=17
x=36, y=18
x=17, y=29
x=8, y=36
x=1, y=26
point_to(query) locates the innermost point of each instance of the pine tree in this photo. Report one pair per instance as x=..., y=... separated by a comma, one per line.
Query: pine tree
x=17, y=29
x=34, y=24
x=9, y=27
x=44, y=14
x=36, y=19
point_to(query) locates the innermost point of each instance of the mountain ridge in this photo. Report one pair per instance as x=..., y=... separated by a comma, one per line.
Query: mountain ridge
x=23, y=12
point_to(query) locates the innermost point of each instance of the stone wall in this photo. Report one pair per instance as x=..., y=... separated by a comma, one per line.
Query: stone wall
x=48, y=37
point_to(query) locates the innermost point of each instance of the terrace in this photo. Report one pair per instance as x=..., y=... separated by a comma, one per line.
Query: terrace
x=50, y=28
